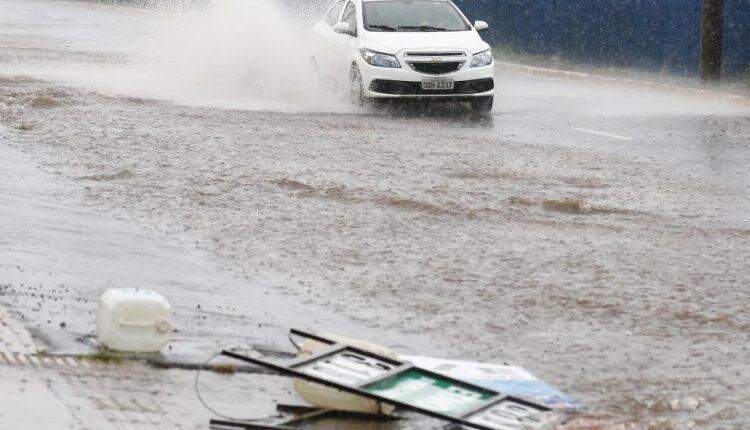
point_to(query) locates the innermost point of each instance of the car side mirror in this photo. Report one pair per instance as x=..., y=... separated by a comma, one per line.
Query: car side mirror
x=343, y=28
x=481, y=25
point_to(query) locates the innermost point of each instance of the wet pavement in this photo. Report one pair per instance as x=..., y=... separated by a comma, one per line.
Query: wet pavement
x=598, y=236
x=41, y=390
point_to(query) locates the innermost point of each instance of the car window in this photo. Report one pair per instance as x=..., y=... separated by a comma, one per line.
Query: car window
x=333, y=13
x=350, y=16
x=413, y=15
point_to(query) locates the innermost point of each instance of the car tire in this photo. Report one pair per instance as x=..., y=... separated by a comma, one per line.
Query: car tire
x=378, y=103
x=482, y=105
x=356, y=88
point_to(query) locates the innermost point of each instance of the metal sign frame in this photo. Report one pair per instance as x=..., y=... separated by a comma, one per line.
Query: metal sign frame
x=399, y=367
x=303, y=414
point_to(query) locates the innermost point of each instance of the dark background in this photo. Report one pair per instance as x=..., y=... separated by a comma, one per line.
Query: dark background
x=647, y=34
x=653, y=35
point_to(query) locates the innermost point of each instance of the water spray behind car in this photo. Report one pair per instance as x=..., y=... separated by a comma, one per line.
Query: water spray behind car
x=233, y=54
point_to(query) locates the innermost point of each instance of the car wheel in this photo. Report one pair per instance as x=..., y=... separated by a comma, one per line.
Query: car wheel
x=356, y=89
x=379, y=103
x=482, y=104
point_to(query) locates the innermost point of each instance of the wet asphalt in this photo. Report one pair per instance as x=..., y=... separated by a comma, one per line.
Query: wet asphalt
x=598, y=236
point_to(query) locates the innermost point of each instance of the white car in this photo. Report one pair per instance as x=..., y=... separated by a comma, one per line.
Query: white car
x=407, y=49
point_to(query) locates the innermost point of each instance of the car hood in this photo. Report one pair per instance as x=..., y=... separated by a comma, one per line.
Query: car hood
x=396, y=42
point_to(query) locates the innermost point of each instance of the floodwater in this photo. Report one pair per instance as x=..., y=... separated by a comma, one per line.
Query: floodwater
x=598, y=236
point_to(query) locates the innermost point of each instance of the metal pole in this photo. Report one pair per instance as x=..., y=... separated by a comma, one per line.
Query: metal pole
x=712, y=36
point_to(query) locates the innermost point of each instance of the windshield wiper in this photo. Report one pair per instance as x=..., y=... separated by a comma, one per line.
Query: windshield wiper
x=421, y=28
x=382, y=27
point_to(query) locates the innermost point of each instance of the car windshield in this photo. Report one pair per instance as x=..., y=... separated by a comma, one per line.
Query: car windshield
x=413, y=15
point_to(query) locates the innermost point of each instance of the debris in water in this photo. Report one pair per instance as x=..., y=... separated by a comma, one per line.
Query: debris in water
x=505, y=378
x=133, y=320
x=407, y=386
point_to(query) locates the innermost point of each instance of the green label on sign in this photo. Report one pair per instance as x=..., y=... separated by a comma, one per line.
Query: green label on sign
x=421, y=390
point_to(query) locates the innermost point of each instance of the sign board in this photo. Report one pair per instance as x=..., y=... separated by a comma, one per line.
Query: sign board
x=405, y=385
x=514, y=415
x=431, y=392
x=347, y=367
x=505, y=378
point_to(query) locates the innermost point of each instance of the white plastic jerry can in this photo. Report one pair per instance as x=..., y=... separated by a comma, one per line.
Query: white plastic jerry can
x=133, y=320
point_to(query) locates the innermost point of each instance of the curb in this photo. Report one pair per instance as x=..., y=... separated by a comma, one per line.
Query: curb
x=633, y=83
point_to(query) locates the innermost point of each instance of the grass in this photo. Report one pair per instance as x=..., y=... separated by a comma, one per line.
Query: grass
x=508, y=53
x=24, y=126
x=568, y=206
x=225, y=369
x=580, y=207
x=44, y=102
x=105, y=356
x=735, y=84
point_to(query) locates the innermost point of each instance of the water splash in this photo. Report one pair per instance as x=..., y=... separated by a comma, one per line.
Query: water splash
x=230, y=54
x=247, y=54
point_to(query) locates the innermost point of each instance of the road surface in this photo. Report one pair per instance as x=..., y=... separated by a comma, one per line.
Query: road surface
x=598, y=236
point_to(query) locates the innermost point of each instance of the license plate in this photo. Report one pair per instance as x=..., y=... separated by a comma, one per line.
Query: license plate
x=437, y=84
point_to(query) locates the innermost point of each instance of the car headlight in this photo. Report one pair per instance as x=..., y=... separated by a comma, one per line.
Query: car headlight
x=378, y=59
x=483, y=58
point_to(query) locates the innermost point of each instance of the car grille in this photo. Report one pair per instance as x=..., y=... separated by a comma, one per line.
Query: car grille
x=436, y=68
x=405, y=88
x=435, y=54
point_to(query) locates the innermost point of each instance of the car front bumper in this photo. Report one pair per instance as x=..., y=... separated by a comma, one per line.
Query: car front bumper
x=381, y=82
x=386, y=87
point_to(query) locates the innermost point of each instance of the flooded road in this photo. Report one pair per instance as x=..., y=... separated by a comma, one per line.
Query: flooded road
x=598, y=236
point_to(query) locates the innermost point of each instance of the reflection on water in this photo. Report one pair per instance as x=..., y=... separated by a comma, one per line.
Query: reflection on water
x=450, y=113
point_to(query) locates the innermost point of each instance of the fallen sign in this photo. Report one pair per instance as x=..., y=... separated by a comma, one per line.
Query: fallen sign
x=407, y=386
x=505, y=378
x=308, y=415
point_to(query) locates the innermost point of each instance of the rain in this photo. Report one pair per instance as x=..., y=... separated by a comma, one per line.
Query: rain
x=592, y=227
